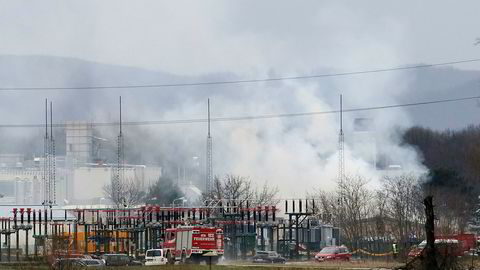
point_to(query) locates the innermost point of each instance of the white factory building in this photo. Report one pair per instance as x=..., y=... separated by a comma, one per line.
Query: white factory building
x=80, y=179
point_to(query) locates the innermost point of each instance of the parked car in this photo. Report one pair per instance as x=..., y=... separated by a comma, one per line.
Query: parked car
x=155, y=257
x=119, y=260
x=92, y=263
x=76, y=263
x=66, y=263
x=268, y=257
x=339, y=253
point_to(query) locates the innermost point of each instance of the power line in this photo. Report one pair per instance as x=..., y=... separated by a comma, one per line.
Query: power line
x=251, y=117
x=226, y=82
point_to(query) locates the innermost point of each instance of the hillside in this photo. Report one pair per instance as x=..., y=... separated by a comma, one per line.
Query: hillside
x=187, y=102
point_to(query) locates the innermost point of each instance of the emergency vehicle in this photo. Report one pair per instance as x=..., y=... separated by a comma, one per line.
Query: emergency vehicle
x=455, y=244
x=193, y=244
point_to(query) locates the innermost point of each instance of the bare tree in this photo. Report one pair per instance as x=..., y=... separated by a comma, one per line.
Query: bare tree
x=354, y=206
x=240, y=189
x=404, y=200
x=266, y=195
x=130, y=193
x=380, y=216
x=348, y=207
x=324, y=206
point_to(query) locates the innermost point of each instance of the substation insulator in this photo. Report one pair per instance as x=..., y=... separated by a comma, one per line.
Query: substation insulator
x=14, y=214
x=22, y=210
x=34, y=227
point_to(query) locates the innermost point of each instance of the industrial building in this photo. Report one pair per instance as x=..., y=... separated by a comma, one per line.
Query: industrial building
x=80, y=175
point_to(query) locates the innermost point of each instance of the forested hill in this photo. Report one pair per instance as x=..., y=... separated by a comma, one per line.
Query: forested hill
x=453, y=159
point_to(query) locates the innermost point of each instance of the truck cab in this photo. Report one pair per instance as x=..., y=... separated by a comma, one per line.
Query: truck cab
x=193, y=243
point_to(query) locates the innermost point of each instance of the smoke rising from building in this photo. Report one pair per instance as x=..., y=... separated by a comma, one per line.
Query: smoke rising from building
x=216, y=42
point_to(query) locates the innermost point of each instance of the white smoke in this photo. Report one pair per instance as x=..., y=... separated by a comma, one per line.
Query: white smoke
x=218, y=41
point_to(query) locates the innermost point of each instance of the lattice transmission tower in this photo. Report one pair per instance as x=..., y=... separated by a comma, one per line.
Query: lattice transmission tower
x=341, y=147
x=49, y=162
x=118, y=174
x=209, y=158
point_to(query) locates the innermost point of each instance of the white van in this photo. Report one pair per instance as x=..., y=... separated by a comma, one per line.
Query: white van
x=155, y=257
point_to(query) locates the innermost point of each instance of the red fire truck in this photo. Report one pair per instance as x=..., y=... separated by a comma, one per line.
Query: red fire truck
x=455, y=244
x=193, y=244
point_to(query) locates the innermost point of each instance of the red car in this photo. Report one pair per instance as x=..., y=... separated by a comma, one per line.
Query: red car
x=334, y=253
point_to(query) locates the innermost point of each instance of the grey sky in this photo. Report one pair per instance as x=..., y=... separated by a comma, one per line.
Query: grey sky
x=244, y=37
x=241, y=39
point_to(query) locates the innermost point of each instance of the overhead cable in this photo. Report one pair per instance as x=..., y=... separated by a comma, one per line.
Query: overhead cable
x=227, y=82
x=248, y=117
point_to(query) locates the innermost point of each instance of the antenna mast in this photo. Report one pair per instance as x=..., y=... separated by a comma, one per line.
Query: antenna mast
x=45, y=176
x=118, y=175
x=53, y=185
x=209, y=174
x=341, y=147
x=48, y=176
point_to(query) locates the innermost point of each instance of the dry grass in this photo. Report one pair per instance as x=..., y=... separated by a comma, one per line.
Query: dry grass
x=238, y=265
x=356, y=264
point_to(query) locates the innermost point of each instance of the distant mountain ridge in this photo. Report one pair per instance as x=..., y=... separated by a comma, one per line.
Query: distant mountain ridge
x=424, y=84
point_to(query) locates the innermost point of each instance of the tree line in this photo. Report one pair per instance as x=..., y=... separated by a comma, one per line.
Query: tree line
x=164, y=191
x=453, y=160
x=394, y=212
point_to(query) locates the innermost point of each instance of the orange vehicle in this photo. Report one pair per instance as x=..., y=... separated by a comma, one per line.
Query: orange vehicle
x=194, y=244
